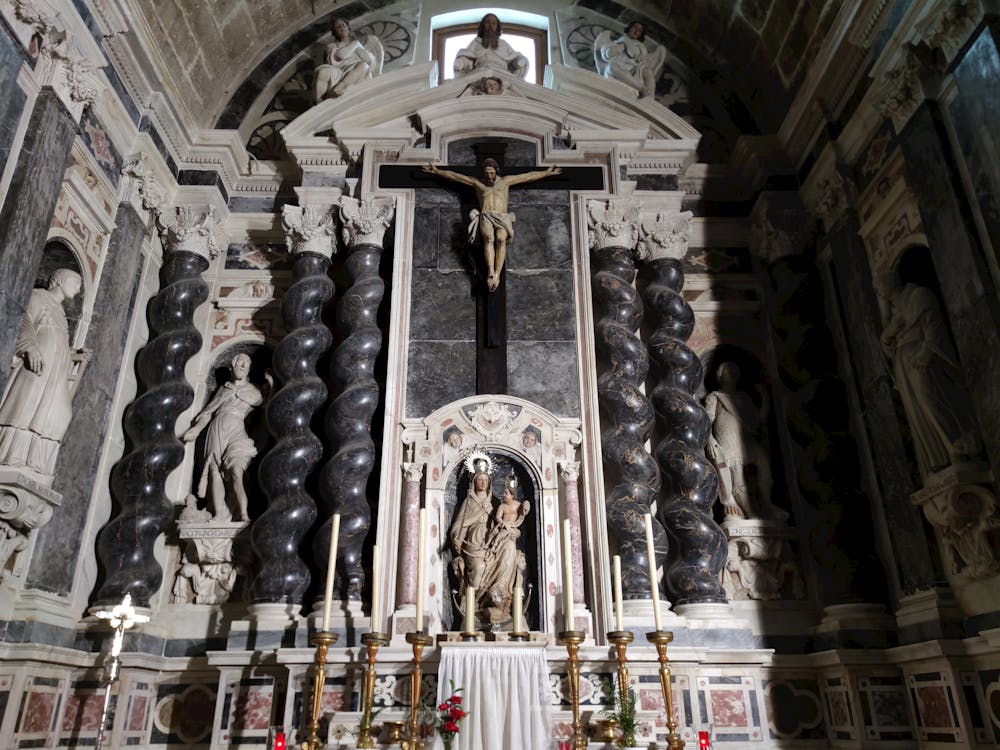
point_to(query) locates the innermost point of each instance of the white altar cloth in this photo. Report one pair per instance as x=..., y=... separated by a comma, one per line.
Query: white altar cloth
x=505, y=689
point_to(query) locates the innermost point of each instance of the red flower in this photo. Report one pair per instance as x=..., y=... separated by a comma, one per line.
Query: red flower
x=450, y=726
x=442, y=707
x=456, y=713
x=455, y=700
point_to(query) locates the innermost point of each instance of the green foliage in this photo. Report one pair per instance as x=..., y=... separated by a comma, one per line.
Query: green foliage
x=623, y=711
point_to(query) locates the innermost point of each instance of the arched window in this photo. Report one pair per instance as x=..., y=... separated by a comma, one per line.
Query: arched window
x=525, y=32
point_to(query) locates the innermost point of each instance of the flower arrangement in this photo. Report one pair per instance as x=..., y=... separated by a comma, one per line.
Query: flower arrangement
x=449, y=714
x=623, y=713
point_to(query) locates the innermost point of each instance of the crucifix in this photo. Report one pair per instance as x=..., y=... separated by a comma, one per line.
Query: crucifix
x=492, y=225
x=121, y=617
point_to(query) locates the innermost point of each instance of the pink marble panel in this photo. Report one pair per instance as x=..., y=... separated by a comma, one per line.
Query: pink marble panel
x=932, y=703
x=38, y=713
x=333, y=700
x=839, y=714
x=137, y=714
x=253, y=709
x=729, y=708
x=83, y=713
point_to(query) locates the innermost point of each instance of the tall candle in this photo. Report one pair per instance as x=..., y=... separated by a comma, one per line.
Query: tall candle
x=616, y=566
x=518, y=609
x=376, y=620
x=651, y=554
x=331, y=569
x=421, y=544
x=567, y=577
x=470, y=609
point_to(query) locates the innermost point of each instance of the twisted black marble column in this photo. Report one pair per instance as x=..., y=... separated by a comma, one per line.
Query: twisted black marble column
x=626, y=417
x=691, y=483
x=282, y=576
x=344, y=479
x=125, y=544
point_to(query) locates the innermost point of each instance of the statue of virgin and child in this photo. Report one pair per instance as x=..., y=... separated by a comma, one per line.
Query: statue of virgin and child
x=484, y=538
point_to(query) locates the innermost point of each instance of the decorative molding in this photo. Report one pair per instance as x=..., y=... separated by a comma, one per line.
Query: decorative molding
x=664, y=235
x=613, y=223
x=150, y=192
x=363, y=222
x=309, y=229
x=189, y=228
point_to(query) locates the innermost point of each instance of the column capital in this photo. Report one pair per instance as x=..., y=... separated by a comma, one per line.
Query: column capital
x=148, y=191
x=613, y=222
x=569, y=471
x=780, y=227
x=310, y=229
x=899, y=91
x=365, y=221
x=664, y=235
x=412, y=471
x=949, y=25
x=189, y=228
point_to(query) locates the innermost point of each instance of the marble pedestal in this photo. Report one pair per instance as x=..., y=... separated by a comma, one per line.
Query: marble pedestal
x=25, y=506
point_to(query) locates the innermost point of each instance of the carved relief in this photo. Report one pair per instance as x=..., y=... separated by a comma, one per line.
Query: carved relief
x=363, y=222
x=189, y=228
x=309, y=229
x=613, y=223
x=664, y=235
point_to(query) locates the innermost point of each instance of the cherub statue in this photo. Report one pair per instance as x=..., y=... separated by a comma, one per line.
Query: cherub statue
x=347, y=60
x=630, y=59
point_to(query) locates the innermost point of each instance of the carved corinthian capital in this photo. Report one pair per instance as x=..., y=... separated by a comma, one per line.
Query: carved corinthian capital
x=413, y=472
x=147, y=188
x=828, y=198
x=309, y=229
x=189, y=228
x=363, y=222
x=900, y=90
x=569, y=471
x=613, y=223
x=664, y=235
x=950, y=26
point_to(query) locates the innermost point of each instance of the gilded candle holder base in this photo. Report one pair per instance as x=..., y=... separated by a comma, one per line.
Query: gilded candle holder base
x=467, y=636
x=621, y=639
x=520, y=637
x=372, y=641
x=660, y=639
x=322, y=640
x=419, y=641
x=572, y=640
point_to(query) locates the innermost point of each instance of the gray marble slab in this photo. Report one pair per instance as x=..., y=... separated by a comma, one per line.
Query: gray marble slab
x=540, y=306
x=12, y=98
x=443, y=308
x=545, y=372
x=439, y=372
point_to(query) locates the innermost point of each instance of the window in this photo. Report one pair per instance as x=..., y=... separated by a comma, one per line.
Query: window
x=525, y=32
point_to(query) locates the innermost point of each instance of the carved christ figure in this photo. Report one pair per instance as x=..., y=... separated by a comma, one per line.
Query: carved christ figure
x=492, y=224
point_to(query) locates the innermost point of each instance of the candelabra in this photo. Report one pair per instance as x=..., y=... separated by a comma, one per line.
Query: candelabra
x=372, y=641
x=660, y=639
x=419, y=641
x=322, y=640
x=621, y=639
x=572, y=639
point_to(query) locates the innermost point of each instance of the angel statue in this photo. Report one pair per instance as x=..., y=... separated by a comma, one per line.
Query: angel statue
x=630, y=59
x=346, y=60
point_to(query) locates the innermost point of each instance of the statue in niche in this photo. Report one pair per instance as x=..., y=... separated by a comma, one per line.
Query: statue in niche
x=629, y=59
x=737, y=442
x=489, y=52
x=484, y=536
x=37, y=403
x=228, y=447
x=492, y=224
x=927, y=375
x=211, y=582
x=346, y=61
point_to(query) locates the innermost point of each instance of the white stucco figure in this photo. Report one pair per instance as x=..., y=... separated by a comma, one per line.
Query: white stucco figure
x=736, y=443
x=489, y=52
x=37, y=403
x=346, y=60
x=630, y=58
x=228, y=447
x=927, y=375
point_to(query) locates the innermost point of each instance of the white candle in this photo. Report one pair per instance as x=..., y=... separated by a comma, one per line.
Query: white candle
x=331, y=569
x=518, y=609
x=376, y=619
x=616, y=566
x=567, y=577
x=421, y=543
x=651, y=554
x=470, y=609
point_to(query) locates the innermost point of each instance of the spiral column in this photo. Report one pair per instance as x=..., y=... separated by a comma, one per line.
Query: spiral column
x=690, y=481
x=344, y=479
x=282, y=576
x=627, y=417
x=125, y=544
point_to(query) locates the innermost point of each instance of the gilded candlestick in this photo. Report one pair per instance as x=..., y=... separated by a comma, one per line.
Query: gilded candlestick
x=372, y=641
x=621, y=639
x=322, y=640
x=419, y=641
x=572, y=639
x=660, y=639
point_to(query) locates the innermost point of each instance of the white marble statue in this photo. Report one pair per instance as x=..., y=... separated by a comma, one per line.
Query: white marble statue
x=471, y=523
x=346, y=61
x=737, y=442
x=927, y=375
x=228, y=447
x=630, y=58
x=489, y=52
x=760, y=567
x=37, y=403
x=504, y=560
x=12, y=541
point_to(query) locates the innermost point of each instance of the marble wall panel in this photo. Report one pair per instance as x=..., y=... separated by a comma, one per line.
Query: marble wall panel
x=12, y=98
x=254, y=256
x=794, y=708
x=545, y=372
x=183, y=714
x=540, y=307
x=839, y=710
x=438, y=372
x=27, y=211
x=54, y=562
x=884, y=709
x=986, y=708
x=934, y=706
x=95, y=135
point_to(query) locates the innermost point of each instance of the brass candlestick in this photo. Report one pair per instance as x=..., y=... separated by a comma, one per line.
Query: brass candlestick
x=419, y=641
x=322, y=640
x=660, y=639
x=372, y=641
x=621, y=639
x=573, y=639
